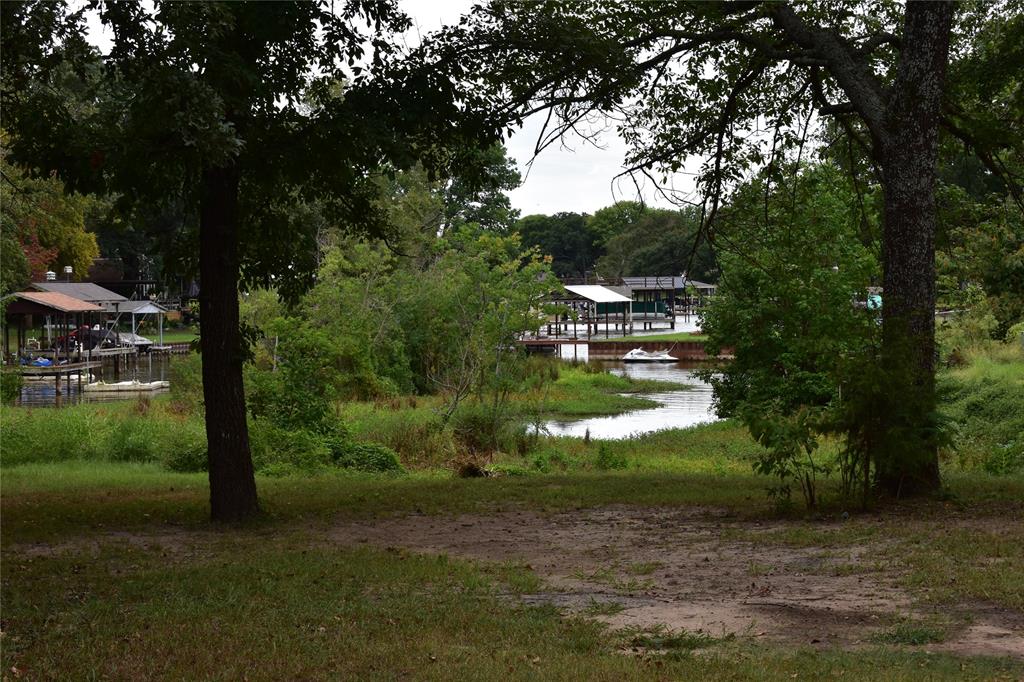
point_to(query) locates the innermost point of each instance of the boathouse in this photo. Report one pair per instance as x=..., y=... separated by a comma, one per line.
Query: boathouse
x=85, y=291
x=65, y=312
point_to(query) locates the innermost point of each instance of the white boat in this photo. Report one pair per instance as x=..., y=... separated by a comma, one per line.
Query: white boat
x=641, y=355
x=126, y=386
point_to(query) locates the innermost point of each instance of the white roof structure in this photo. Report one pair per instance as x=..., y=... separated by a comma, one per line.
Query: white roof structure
x=142, y=307
x=597, y=293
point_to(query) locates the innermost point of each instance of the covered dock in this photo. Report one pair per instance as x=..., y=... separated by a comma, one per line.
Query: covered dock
x=64, y=312
x=57, y=360
x=139, y=309
x=85, y=291
x=592, y=305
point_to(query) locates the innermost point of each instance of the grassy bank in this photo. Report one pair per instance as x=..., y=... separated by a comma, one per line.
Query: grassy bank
x=668, y=336
x=984, y=404
x=174, y=335
x=166, y=432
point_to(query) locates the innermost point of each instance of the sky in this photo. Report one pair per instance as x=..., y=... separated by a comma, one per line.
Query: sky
x=577, y=175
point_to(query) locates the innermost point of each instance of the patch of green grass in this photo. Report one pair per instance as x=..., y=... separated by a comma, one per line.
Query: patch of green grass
x=663, y=639
x=581, y=393
x=609, y=576
x=911, y=632
x=977, y=561
x=143, y=430
x=985, y=402
x=668, y=336
x=92, y=497
x=603, y=608
x=644, y=567
x=721, y=448
x=173, y=335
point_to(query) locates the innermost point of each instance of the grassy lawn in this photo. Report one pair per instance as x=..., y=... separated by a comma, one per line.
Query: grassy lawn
x=112, y=570
x=173, y=335
x=259, y=606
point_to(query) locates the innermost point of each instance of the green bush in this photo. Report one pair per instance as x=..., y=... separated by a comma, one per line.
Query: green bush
x=186, y=377
x=608, y=458
x=188, y=459
x=279, y=451
x=135, y=439
x=479, y=428
x=368, y=457
x=273, y=446
x=10, y=387
x=548, y=459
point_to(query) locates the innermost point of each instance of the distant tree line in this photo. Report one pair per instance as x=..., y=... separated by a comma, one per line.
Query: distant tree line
x=622, y=240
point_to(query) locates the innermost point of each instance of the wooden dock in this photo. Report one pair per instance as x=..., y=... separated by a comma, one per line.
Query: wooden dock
x=56, y=370
x=67, y=371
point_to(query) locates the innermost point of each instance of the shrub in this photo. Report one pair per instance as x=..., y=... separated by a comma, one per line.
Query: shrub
x=274, y=445
x=10, y=387
x=479, y=428
x=368, y=457
x=187, y=460
x=186, y=377
x=547, y=459
x=609, y=459
x=134, y=439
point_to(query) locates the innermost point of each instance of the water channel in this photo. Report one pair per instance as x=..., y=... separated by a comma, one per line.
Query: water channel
x=677, y=409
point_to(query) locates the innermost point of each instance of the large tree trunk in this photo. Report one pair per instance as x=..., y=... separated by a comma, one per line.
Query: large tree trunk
x=907, y=462
x=232, y=483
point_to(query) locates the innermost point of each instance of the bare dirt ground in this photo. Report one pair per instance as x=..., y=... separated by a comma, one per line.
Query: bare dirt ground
x=693, y=569
x=696, y=570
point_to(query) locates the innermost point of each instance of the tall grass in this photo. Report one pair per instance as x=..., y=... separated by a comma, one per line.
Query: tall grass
x=984, y=399
x=117, y=432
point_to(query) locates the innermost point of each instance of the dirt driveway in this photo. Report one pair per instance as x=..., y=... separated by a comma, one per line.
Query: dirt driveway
x=697, y=570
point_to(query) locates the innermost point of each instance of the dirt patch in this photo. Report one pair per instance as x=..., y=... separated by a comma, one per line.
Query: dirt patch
x=687, y=569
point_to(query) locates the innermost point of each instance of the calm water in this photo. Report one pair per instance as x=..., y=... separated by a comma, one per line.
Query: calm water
x=146, y=367
x=677, y=409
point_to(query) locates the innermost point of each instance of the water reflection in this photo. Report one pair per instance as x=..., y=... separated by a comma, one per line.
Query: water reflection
x=677, y=409
x=42, y=392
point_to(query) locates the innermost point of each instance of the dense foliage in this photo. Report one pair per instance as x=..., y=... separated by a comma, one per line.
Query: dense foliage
x=622, y=240
x=44, y=228
x=792, y=303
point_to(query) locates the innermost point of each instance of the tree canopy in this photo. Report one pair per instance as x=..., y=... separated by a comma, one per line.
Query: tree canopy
x=742, y=86
x=241, y=112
